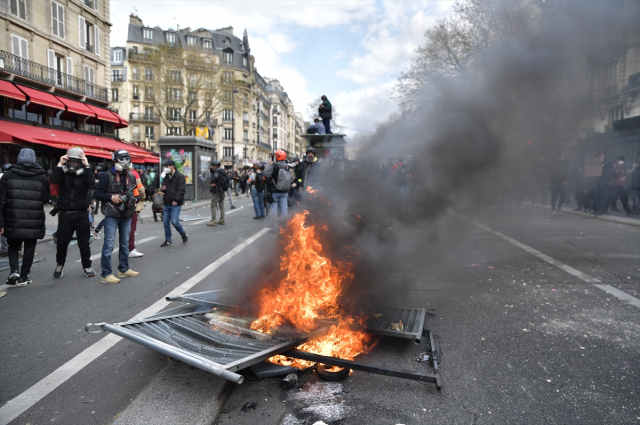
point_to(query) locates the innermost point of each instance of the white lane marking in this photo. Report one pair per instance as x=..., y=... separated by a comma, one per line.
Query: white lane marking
x=577, y=273
x=117, y=249
x=206, y=220
x=15, y=407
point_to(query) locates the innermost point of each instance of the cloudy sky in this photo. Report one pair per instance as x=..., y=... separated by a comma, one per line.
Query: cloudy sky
x=349, y=51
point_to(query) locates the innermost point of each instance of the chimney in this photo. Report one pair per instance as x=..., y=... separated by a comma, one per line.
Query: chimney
x=133, y=19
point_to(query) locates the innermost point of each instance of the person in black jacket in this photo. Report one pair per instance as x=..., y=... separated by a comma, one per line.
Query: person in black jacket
x=219, y=179
x=173, y=186
x=73, y=174
x=24, y=190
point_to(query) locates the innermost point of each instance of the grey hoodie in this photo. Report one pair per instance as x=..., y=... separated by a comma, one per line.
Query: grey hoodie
x=26, y=156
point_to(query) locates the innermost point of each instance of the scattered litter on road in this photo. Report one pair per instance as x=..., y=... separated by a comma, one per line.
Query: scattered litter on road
x=290, y=381
x=88, y=401
x=397, y=326
x=250, y=405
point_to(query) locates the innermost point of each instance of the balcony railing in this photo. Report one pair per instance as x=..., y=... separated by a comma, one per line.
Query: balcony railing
x=151, y=136
x=174, y=119
x=117, y=78
x=137, y=56
x=135, y=136
x=35, y=71
x=265, y=145
x=139, y=116
x=88, y=47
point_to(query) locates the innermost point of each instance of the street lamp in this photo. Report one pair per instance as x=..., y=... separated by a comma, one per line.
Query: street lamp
x=233, y=127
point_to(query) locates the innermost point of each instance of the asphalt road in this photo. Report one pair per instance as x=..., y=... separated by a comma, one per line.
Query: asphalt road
x=523, y=341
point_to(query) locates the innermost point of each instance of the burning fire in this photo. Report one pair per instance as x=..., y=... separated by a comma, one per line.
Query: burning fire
x=310, y=291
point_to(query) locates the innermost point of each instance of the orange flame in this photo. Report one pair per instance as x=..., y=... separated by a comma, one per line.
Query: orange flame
x=310, y=291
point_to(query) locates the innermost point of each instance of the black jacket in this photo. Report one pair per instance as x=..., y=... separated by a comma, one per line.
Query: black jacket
x=304, y=172
x=218, y=176
x=24, y=190
x=175, y=188
x=74, y=190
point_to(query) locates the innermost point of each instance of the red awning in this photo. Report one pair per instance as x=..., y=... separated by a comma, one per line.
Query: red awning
x=92, y=145
x=123, y=123
x=41, y=98
x=104, y=114
x=76, y=107
x=9, y=90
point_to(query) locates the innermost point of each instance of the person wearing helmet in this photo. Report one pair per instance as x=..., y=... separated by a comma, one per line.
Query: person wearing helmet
x=73, y=174
x=219, y=185
x=304, y=171
x=279, y=181
x=117, y=189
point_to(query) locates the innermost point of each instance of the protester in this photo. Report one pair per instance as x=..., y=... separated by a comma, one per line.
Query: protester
x=557, y=178
x=4, y=250
x=152, y=184
x=133, y=252
x=303, y=172
x=279, y=180
x=236, y=183
x=316, y=128
x=73, y=174
x=325, y=111
x=635, y=188
x=218, y=186
x=174, y=187
x=257, y=181
x=617, y=184
x=243, y=182
x=24, y=189
x=117, y=190
x=2, y=293
x=605, y=178
x=580, y=188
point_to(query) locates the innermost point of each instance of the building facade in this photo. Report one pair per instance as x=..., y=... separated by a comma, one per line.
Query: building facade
x=62, y=44
x=236, y=111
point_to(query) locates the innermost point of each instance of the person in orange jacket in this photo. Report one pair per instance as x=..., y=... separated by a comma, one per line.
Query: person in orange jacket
x=133, y=252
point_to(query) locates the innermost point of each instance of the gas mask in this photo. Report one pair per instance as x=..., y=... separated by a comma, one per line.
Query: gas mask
x=73, y=167
x=123, y=164
x=166, y=170
x=621, y=162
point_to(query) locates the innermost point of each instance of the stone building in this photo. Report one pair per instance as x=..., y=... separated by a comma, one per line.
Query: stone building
x=239, y=113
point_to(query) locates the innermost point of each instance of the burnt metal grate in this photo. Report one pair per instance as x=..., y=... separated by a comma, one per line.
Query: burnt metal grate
x=412, y=320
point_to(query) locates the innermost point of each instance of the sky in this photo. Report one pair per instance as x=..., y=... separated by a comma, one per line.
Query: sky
x=349, y=51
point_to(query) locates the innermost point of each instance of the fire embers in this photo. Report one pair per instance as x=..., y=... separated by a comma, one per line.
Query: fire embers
x=310, y=290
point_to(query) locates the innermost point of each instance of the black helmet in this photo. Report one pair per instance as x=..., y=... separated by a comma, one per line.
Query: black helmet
x=119, y=155
x=5, y=167
x=295, y=158
x=311, y=149
x=99, y=168
x=215, y=163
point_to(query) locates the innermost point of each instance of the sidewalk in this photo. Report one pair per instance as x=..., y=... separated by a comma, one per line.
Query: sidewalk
x=633, y=220
x=52, y=222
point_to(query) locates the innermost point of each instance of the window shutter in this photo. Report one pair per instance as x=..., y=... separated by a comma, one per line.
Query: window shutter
x=15, y=45
x=95, y=6
x=22, y=8
x=70, y=66
x=124, y=74
x=86, y=73
x=91, y=75
x=51, y=59
x=14, y=7
x=24, y=48
x=61, y=21
x=97, y=40
x=54, y=18
x=83, y=26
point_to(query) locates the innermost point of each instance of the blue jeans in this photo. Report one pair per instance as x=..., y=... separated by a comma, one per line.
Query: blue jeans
x=280, y=203
x=110, y=226
x=258, y=201
x=170, y=215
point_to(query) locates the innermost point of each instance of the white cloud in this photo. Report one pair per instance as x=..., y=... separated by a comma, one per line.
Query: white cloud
x=361, y=110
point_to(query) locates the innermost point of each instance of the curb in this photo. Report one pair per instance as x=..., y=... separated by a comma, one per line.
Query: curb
x=607, y=218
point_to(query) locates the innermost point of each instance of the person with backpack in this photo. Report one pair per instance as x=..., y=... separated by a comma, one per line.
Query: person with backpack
x=219, y=185
x=279, y=180
x=174, y=188
x=73, y=174
x=117, y=190
x=257, y=181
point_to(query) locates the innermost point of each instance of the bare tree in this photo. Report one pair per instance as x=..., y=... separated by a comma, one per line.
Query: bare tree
x=184, y=85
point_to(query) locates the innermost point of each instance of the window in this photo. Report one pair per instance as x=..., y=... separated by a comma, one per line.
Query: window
x=148, y=113
x=19, y=8
x=245, y=136
x=227, y=115
x=134, y=74
x=275, y=133
x=147, y=34
x=116, y=76
x=227, y=151
x=192, y=96
x=207, y=116
x=117, y=55
x=57, y=19
x=228, y=133
x=148, y=74
x=176, y=76
x=228, y=57
x=174, y=95
x=89, y=77
x=191, y=41
x=174, y=131
x=89, y=36
x=207, y=44
x=171, y=37
x=150, y=132
x=245, y=117
x=193, y=116
x=227, y=40
x=244, y=62
x=114, y=95
x=174, y=114
x=136, y=93
x=227, y=77
x=19, y=46
x=611, y=75
x=616, y=114
x=149, y=94
x=275, y=121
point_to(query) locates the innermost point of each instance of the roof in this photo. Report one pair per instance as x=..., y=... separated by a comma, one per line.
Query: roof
x=186, y=141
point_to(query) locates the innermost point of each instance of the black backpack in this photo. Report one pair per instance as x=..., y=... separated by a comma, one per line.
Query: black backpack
x=224, y=179
x=260, y=182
